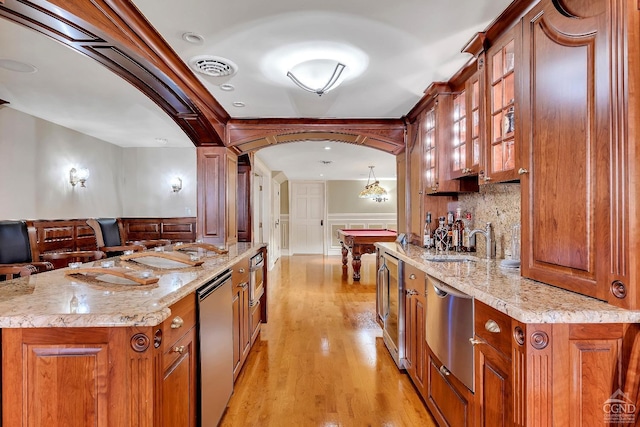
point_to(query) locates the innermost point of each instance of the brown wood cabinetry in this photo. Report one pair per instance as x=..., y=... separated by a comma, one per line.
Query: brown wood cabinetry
x=579, y=68
x=241, y=315
x=501, y=160
x=450, y=401
x=415, y=322
x=492, y=359
x=244, y=205
x=179, y=365
x=551, y=374
x=78, y=376
x=217, y=195
x=467, y=122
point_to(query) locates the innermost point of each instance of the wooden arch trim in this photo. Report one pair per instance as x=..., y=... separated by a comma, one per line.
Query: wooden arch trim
x=116, y=34
x=250, y=135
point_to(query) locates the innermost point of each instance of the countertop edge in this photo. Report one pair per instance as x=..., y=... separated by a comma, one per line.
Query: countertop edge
x=583, y=309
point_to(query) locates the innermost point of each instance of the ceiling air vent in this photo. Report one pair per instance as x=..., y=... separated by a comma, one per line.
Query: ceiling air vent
x=213, y=66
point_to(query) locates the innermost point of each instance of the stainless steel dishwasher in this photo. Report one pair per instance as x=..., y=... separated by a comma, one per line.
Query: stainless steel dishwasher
x=449, y=329
x=215, y=330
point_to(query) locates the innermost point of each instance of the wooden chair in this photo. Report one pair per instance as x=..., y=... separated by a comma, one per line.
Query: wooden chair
x=18, y=248
x=111, y=237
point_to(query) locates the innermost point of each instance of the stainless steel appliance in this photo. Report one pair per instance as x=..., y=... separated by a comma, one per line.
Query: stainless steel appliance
x=449, y=329
x=390, y=305
x=256, y=278
x=215, y=331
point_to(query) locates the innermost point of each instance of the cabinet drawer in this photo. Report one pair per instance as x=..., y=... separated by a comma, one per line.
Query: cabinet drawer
x=414, y=278
x=240, y=272
x=181, y=348
x=493, y=327
x=182, y=318
x=448, y=399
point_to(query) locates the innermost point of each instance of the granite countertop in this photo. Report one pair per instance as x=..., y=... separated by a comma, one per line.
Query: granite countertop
x=53, y=299
x=507, y=291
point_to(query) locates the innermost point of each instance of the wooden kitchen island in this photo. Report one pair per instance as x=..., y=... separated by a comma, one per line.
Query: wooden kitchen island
x=77, y=351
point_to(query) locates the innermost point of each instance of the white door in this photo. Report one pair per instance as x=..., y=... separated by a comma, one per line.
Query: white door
x=306, y=232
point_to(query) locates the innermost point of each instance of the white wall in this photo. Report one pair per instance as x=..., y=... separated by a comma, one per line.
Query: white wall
x=35, y=158
x=147, y=175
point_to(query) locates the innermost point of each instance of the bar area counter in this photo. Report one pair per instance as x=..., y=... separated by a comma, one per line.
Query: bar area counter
x=54, y=299
x=541, y=355
x=89, y=348
x=505, y=290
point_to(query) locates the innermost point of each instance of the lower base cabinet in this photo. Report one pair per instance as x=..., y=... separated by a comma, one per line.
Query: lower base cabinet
x=450, y=401
x=179, y=383
x=530, y=374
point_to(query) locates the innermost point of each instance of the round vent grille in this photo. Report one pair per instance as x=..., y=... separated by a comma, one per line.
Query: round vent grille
x=214, y=66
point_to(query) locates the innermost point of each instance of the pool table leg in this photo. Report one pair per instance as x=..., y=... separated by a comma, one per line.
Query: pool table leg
x=345, y=259
x=356, y=264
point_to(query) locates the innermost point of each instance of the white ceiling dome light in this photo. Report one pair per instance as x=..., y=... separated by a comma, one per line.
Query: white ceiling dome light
x=314, y=64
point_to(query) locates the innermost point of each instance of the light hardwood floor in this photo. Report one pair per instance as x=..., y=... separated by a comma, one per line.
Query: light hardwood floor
x=320, y=361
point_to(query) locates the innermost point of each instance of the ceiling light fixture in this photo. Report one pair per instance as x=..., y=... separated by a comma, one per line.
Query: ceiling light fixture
x=327, y=87
x=227, y=87
x=192, y=38
x=373, y=190
x=17, y=66
x=239, y=104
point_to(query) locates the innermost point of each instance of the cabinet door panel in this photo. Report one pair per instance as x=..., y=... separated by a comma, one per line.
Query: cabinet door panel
x=179, y=385
x=565, y=146
x=66, y=382
x=493, y=388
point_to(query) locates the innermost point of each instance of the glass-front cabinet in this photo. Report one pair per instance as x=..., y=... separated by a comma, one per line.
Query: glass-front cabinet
x=502, y=149
x=466, y=128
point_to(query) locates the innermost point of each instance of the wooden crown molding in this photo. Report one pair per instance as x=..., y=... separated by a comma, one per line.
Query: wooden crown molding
x=114, y=33
x=251, y=135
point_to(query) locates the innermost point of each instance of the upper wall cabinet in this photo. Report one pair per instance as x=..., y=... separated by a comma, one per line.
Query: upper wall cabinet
x=580, y=77
x=467, y=125
x=501, y=148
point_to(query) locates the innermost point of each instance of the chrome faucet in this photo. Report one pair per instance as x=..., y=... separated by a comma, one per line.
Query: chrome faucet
x=490, y=239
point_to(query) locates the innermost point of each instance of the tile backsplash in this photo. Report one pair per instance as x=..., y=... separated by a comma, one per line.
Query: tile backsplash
x=498, y=204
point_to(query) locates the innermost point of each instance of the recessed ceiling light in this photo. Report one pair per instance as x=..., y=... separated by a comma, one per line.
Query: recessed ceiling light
x=227, y=87
x=238, y=104
x=192, y=38
x=161, y=141
x=327, y=148
x=17, y=66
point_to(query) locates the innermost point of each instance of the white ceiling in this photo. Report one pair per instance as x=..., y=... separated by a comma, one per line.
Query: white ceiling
x=407, y=44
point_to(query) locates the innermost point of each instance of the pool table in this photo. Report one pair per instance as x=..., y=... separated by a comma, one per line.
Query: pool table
x=360, y=241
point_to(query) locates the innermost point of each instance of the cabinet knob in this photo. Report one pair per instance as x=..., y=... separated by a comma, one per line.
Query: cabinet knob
x=522, y=171
x=177, y=322
x=412, y=276
x=492, y=326
x=179, y=349
x=241, y=271
x=487, y=178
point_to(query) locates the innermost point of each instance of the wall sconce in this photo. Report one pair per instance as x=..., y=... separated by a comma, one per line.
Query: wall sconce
x=176, y=184
x=78, y=176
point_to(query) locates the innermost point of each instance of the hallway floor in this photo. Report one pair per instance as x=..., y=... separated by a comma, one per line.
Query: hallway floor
x=320, y=360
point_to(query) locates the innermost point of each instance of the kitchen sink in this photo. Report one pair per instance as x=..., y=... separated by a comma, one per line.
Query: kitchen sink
x=447, y=258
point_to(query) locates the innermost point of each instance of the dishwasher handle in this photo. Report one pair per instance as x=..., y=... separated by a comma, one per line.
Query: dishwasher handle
x=213, y=284
x=443, y=290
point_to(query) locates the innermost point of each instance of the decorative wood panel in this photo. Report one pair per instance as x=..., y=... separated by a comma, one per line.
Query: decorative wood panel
x=565, y=78
x=180, y=229
x=244, y=203
x=251, y=135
